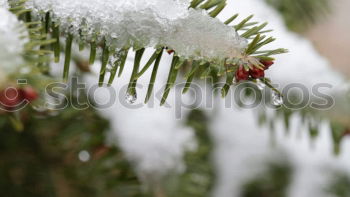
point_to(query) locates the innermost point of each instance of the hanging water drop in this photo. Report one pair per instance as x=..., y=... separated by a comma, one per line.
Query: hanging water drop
x=130, y=98
x=234, y=81
x=277, y=98
x=261, y=85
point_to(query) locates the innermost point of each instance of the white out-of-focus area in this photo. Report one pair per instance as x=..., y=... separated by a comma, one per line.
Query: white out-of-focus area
x=331, y=35
x=156, y=141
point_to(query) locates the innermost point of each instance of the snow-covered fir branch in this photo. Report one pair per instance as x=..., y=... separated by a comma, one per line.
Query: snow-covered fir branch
x=188, y=28
x=145, y=23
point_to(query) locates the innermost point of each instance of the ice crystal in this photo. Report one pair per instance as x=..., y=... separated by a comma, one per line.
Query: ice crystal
x=12, y=41
x=277, y=99
x=145, y=23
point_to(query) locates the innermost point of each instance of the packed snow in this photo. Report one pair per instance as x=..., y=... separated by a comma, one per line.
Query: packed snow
x=145, y=23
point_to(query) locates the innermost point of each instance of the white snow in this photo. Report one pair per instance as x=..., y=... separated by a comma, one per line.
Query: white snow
x=146, y=23
x=12, y=45
x=150, y=135
x=4, y=4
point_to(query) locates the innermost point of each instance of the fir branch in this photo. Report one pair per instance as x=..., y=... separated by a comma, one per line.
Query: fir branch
x=249, y=57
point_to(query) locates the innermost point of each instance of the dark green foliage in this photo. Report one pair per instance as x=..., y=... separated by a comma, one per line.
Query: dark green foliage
x=42, y=160
x=339, y=185
x=68, y=54
x=274, y=182
x=104, y=60
x=199, y=177
x=338, y=134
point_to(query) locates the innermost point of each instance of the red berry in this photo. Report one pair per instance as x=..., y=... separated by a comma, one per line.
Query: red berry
x=267, y=63
x=242, y=74
x=29, y=93
x=257, y=73
x=10, y=97
x=346, y=132
x=170, y=51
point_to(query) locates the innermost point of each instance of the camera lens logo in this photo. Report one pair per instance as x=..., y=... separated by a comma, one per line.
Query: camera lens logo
x=12, y=99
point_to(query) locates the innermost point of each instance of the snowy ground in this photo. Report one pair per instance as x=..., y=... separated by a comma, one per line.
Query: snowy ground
x=155, y=139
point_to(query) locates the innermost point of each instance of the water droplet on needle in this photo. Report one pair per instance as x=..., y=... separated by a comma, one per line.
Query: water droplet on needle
x=277, y=99
x=261, y=85
x=130, y=98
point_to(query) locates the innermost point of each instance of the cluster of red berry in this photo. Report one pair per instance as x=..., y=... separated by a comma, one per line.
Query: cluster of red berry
x=11, y=97
x=256, y=73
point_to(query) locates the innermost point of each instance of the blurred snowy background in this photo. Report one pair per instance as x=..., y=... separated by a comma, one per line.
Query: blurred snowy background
x=156, y=141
